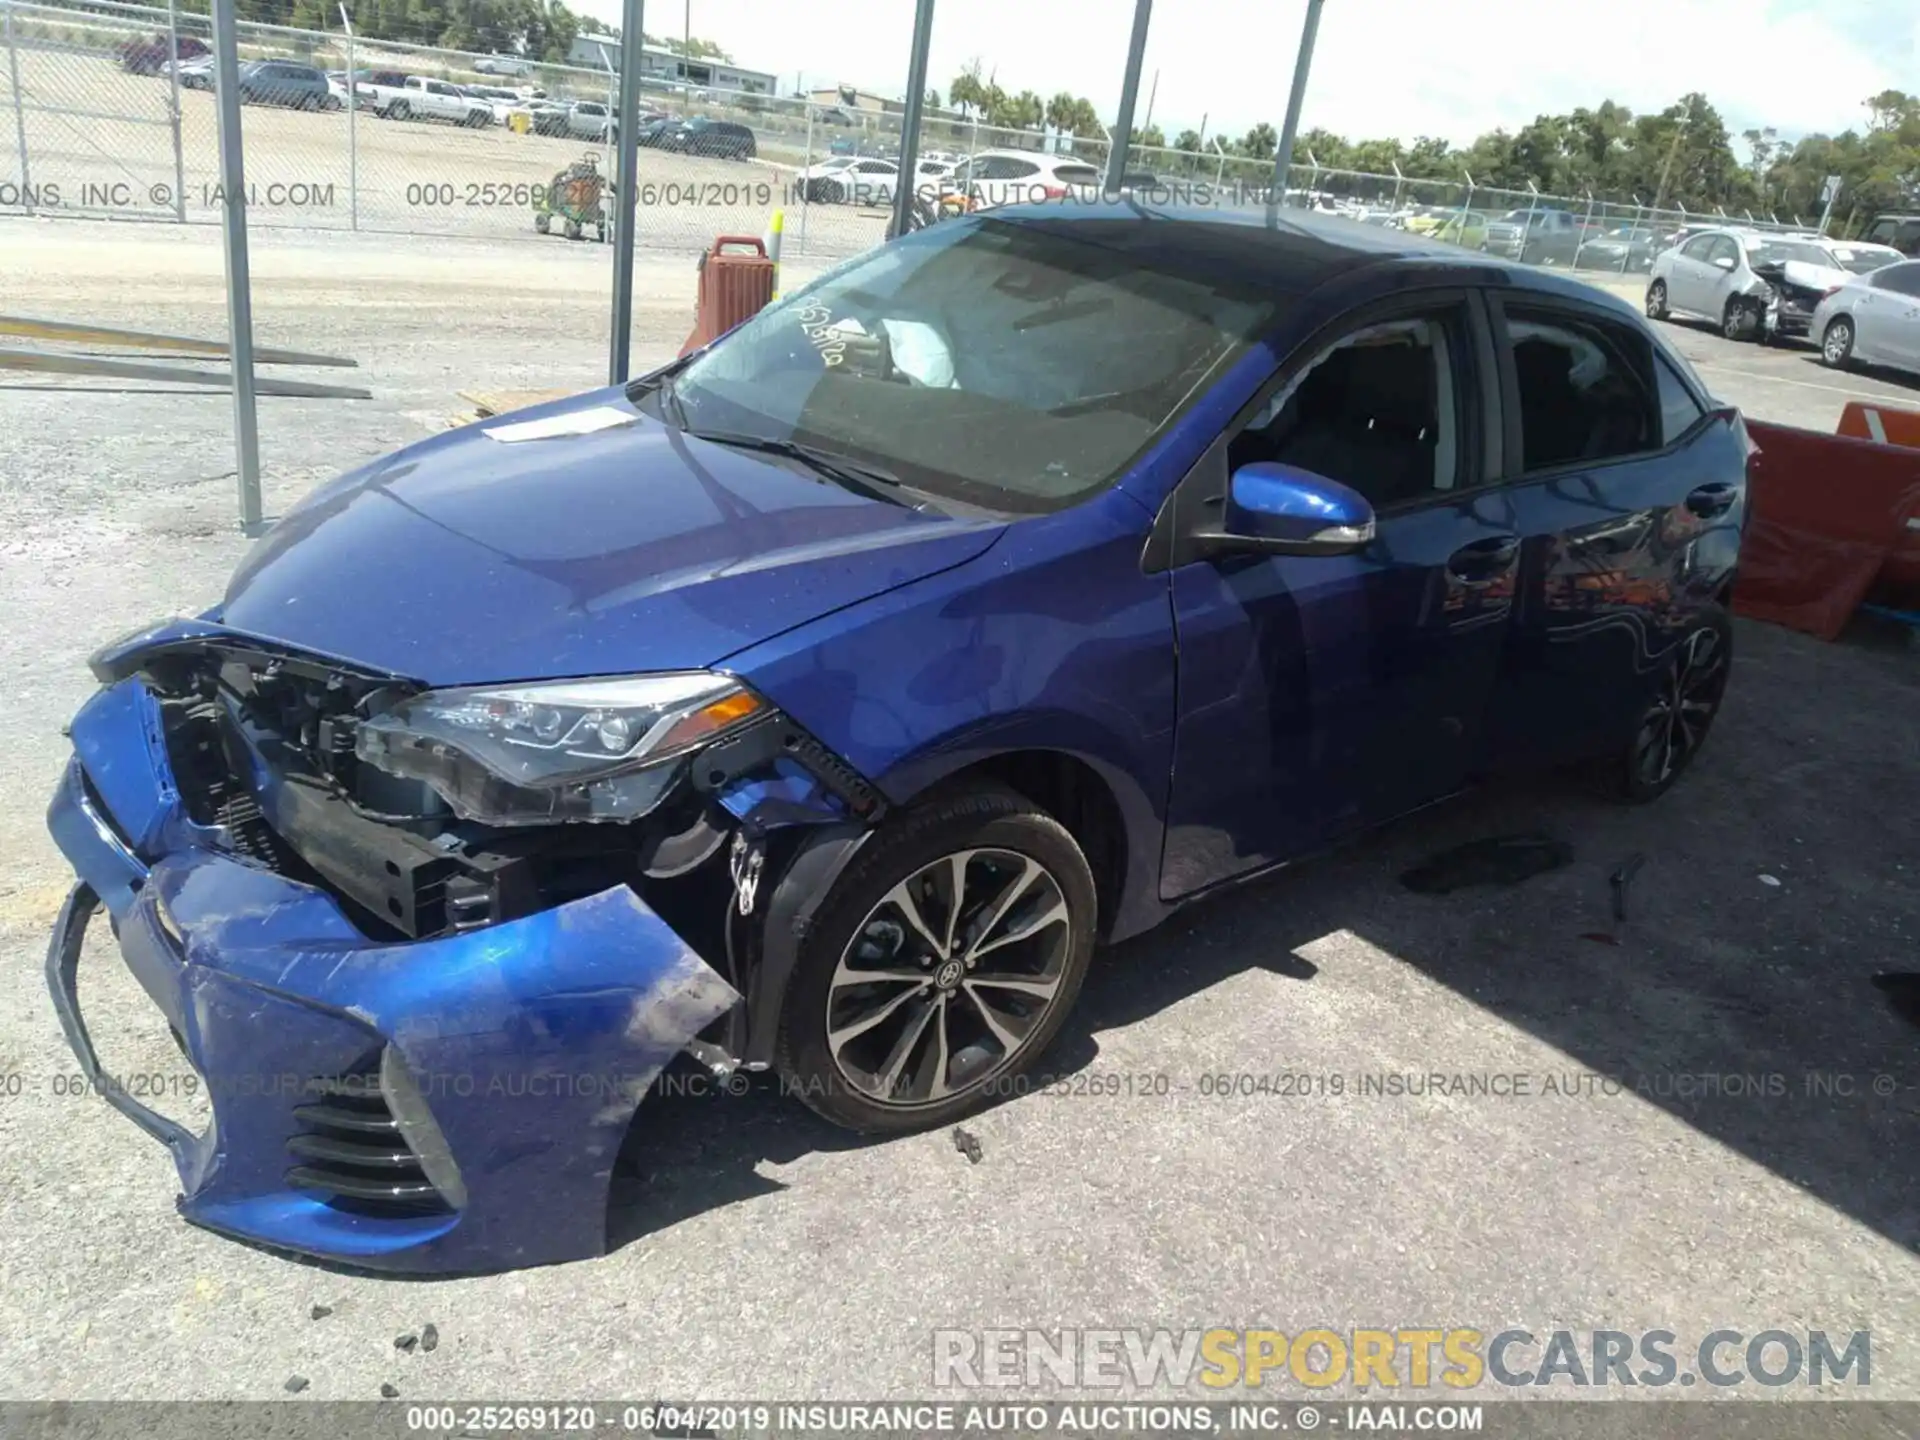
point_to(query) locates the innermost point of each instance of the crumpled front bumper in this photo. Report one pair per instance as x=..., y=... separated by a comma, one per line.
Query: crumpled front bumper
x=528, y=1045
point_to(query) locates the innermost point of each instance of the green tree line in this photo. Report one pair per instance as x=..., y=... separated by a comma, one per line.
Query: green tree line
x=1680, y=156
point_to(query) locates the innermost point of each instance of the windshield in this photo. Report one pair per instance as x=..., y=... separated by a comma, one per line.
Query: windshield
x=1779, y=252
x=1864, y=259
x=1001, y=365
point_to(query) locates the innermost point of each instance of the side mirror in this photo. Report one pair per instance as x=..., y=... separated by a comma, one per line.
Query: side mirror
x=1725, y=262
x=1282, y=510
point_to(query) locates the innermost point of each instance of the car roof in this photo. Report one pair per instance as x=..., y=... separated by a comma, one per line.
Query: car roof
x=1293, y=250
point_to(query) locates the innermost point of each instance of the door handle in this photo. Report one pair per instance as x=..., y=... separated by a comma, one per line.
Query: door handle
x=1483, y=557
x=1708, y=501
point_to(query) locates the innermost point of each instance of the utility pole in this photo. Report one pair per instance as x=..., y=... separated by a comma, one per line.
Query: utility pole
x=1283, y=157
x=1673, y=152
x=1129, y=89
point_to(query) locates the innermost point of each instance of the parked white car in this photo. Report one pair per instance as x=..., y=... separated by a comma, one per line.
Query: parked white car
x=1873, y=319
x=420, y=97
x=503, y=65
x=850, y=180
x=1753, y=284
x=503, y=103
x=1015, y=177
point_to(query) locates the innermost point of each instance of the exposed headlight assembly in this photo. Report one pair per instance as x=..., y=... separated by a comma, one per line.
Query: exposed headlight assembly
x=569, y=750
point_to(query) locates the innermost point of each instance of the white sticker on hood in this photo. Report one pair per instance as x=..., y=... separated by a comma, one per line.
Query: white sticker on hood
x=573, y=422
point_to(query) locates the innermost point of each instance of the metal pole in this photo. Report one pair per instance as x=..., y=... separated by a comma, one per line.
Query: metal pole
x=910, y=118
x=1399, y=185
x=173, y=111
x=1283, y=157
x=1129, y=92
x=233, y=194
x=19, y=115
x=1153, y=93
x=627, y=159
x=1638, y=210
x=1533, y=205
x=806, y=200
x=353, y=139
x=1586, y=229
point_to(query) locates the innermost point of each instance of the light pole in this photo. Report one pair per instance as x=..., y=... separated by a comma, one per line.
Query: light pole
x=1129, y=92
x=1283, y=157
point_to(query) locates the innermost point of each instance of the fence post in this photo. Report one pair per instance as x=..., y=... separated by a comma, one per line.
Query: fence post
x=1586, y=228
x=353, y=140
x=1466, y=208
x=19, y=115
x=806, y=185
x=1638, y=210
x=1533, y=205
x=173, y=111
x=1399, y=184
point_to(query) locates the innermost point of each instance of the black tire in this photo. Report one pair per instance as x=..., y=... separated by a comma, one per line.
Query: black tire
x=1004, y=828
x=399, y=110
x=1657, y=300
x=1743, y=319
x=542, y=221
x=1836, y=343
x=920, y=214
x=1665, y=741
x=573, y=230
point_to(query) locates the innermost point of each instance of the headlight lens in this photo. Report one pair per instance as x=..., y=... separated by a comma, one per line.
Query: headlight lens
x=571, y=750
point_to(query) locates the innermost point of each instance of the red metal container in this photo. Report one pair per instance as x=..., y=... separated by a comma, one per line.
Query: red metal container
x=736, y=282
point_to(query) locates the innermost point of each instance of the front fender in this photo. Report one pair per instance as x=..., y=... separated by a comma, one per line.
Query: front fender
x=1054, y=641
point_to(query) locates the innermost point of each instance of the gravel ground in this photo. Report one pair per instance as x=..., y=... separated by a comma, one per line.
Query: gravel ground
x=758, y=1252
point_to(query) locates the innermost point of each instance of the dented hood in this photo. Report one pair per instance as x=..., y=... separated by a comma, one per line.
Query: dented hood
x=628, y=546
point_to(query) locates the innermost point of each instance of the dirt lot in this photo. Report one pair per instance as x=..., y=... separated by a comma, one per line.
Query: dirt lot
x=113, y=150
x=759, y=1253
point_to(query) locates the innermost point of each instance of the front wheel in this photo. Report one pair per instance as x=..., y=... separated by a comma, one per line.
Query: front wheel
x=940, y=966
x=1675, y=722
x=1657, y=300
x=1743, y=319
x=399, y=110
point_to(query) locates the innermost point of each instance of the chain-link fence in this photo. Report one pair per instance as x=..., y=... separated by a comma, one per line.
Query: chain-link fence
x=111, y=111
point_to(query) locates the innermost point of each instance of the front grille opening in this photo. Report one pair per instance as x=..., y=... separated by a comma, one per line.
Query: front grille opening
x=350, y=1150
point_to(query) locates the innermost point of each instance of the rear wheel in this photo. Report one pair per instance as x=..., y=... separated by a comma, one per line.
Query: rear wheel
x=1836, y=346
x=399, y=110
x=940, y=966
x=542, y=221
x=1675, y=722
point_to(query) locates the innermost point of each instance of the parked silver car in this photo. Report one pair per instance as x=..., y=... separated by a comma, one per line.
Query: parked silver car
x=1873, y=320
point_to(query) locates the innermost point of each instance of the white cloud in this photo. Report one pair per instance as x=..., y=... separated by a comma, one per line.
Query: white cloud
x=1382, y=67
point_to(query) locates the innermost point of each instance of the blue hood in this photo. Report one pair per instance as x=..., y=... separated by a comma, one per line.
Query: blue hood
x=467, y=559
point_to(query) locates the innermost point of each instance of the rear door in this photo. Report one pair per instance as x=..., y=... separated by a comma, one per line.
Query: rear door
x=1689, y=275
x=1899, y=317
x=1318, y=695
x=1627, y=491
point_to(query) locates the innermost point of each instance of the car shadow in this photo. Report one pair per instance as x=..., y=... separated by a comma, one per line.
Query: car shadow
x=1751, y=1010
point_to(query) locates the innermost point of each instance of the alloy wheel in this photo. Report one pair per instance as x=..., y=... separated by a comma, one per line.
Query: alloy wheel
x=1837, y=343
x=1676, y=723
x=948, y=977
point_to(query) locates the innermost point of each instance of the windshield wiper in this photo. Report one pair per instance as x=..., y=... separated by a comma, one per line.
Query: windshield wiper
x=863, y=479
x=661, y=384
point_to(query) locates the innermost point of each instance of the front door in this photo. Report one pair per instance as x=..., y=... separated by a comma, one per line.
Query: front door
x=1321, y=694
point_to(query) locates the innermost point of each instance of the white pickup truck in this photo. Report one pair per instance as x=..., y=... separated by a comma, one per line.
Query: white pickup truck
x=407, y=97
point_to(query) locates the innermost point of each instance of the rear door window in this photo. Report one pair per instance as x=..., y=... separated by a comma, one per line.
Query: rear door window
x=1589, y=391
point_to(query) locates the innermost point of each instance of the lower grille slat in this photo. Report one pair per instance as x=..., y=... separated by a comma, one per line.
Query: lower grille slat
x=351, y=1149
x=414, y=1194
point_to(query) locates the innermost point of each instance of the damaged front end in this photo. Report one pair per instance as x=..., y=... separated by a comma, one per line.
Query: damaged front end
x=427, y=950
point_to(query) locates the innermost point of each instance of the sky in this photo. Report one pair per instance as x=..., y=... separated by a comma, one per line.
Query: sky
x=1399, y=68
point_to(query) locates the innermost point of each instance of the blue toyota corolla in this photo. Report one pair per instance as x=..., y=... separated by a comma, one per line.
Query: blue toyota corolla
x=820, y=701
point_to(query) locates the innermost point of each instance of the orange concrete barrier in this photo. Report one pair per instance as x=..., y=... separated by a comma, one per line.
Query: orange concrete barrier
x=736, y=283
x=1826, y=514
x=1882, y=424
